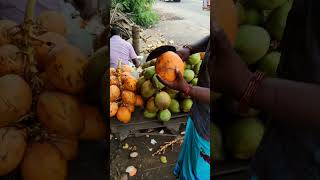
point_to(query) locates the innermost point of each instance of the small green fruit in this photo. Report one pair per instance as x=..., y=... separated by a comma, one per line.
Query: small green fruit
x=194, y=81
x=188, y=75
x=164, y=115
x=157, y=83
x=149, y=115
x=186, y=105
x=194, y=59
x=174, y=106
x=149, y=72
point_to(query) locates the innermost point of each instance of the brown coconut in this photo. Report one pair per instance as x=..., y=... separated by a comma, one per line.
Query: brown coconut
x=66, y=70
x=5, y=28
x=52, y=21
x=49, y=41
x=95, y=127
x=113, y=108
x=67, y=146
x=43, y=161
x=60, y=114
x=15, y=99
x=12, y=148
x=11, y=60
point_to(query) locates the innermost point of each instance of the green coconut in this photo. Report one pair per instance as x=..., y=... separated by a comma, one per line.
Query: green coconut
x=252, y=43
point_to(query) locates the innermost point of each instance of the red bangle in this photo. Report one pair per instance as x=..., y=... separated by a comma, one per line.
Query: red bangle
x=187, y=90
x=250, y=91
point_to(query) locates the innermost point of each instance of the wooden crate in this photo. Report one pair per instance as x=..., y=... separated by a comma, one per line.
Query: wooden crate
x=138, y=122
x=230, y=169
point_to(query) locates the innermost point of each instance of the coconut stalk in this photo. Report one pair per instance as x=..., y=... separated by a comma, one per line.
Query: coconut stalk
x=31, y=72
x=164, y=148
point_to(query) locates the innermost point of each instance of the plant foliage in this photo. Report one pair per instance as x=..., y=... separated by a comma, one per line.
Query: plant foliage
x=140, y=10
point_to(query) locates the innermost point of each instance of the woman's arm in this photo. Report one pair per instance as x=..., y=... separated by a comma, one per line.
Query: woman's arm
x=200, y=46
x=287, y=101
x=200, y=93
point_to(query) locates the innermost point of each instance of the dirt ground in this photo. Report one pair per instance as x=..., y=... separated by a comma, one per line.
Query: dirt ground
x=148, y=166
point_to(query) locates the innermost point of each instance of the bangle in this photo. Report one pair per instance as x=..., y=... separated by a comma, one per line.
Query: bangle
x=250, y=91
x=188, y=47
x=187, y=90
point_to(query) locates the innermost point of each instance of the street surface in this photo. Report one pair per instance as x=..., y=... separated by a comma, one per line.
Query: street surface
x=183, y=22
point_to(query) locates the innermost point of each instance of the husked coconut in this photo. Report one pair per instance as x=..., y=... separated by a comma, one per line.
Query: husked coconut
x=67, y=146
x=52, y=21
x=60, y=113
x=43, y=161
x=12, y=148
x=49, y=41
x=66, y=70
x=94, y=128
x=11, y=60
x=16, y=99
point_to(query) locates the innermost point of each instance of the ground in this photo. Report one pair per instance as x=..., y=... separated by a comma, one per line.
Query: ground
x=182, y=22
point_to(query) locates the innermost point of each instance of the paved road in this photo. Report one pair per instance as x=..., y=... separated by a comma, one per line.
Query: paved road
x=189, y=10
x=183, y=22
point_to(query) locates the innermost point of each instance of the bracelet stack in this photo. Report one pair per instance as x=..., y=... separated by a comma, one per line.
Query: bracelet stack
x=187, y=90
x=250, y=91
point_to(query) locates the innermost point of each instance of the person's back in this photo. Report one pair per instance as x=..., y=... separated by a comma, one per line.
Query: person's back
x=120, y=50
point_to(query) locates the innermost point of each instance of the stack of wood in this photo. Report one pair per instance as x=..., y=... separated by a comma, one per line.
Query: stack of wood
x=120, y=20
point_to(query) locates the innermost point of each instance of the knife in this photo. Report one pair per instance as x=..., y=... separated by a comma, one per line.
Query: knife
x=159, y=51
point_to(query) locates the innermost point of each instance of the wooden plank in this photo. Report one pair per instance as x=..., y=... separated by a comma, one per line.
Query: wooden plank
x=229, y=167
x=138, y=122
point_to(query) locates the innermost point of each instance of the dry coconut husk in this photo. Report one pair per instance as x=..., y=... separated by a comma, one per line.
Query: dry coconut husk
x=11, y=60
x=60, y=113
x=43, y=161
x=66, y=70
x=12, y=148
x=15, y=99
x=95, y=128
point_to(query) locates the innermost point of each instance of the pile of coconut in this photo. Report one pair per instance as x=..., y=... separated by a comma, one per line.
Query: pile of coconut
x=43, y=114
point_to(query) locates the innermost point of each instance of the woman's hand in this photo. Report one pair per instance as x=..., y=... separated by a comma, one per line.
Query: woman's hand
x=179, y=83
x=184, y=53
x=229, y=73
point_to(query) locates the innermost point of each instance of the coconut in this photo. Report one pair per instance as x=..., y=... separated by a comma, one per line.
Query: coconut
x=11, y=60
x=113, y=108
x=53, y=22
x=95, y=128
x=162, y=100
x=66, y=70
x=5, y=27
x=67, y=146
x=16, y=99
x=50, y=40
x=60, y=113
x=12, y=147
x=43, y=161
